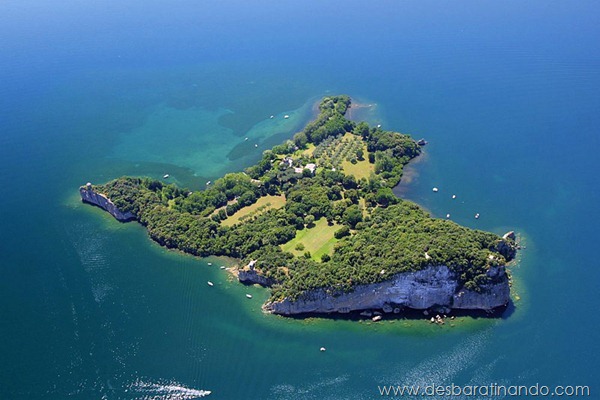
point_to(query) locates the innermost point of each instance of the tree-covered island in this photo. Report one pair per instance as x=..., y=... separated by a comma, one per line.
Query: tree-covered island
x=315, y=220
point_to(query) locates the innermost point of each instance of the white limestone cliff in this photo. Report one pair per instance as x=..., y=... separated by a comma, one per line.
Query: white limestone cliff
x=430, y=288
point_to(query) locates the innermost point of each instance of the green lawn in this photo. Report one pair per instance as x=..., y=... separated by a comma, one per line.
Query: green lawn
x=362, y=169
x=318, y=240
x=309, y=150
x=264, y=203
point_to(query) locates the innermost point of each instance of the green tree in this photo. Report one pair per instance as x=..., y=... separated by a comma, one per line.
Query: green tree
x=300, y=140
x=385, y=197
x=352, y=195
x=306, y=173
x=342, y=232
x=352, y=215
x=362, y=129
x=309, y=220
x=360, y=154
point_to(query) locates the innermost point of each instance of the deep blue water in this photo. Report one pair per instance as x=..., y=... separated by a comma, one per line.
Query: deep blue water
x=507, y=94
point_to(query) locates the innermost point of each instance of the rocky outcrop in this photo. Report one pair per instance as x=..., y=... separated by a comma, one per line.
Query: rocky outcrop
x=88, y=195
x=507, y=246
x=250, y=277
x=434, y=287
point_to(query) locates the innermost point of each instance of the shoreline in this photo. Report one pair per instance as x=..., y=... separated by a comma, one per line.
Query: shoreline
x=409, y=175
x=355, y=107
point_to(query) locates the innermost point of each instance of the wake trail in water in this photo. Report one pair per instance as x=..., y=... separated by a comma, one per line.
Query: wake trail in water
x=170, y=390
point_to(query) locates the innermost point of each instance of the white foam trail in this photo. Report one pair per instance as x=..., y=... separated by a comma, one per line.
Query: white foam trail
x=442, y=368
x=166, y=391
x=91, y=249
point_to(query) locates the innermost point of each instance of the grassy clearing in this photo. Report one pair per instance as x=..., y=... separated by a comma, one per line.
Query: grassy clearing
x=318, y=240
x=263, y=204
x=362, y=203
x=309, y=150
x=362, y=169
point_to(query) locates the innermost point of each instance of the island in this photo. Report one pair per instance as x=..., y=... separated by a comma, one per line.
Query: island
x=316, y=222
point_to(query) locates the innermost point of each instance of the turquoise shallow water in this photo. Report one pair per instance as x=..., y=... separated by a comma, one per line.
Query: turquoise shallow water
x=506, y=94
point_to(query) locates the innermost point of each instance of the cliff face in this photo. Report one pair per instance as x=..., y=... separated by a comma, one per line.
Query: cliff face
x=433, y=287
x=251, y=277
x=89, y=196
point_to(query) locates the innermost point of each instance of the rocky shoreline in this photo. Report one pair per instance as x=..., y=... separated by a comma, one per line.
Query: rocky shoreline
x=435, y=288
x=88, y=195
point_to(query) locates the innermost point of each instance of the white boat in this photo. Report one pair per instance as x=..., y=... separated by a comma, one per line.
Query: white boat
x=447, y=215
x=477, y=216
x=255, y=145
x=322, y=349
x=248, y=295
x=245, y=139
x=165, y=176
x=286, y=116
x=210, y=283
x=207, y=183
x=435, y=189
x=272, y=116
x=209, y=264
x=453, y=196
x=222, y=267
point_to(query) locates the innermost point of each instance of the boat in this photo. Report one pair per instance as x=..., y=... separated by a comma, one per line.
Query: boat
x=286, y=116
x=435, y=189
x=209, y=264
x=222, y=267
x=447, y=215
x=210, y=283
x=255, y=145
x=248, y=295
x=453, y=196
x=322, y=349
x=207, y=183
x=376, y=318
x=245, y=139
x=477, y=216
x=272, y=116
x=165, y=176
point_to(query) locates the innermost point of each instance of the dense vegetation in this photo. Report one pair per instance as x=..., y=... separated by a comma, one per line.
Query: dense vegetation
x=379, y=235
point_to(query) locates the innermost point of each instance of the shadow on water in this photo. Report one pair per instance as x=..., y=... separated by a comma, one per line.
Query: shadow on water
x=410, y=314
x=509, y=310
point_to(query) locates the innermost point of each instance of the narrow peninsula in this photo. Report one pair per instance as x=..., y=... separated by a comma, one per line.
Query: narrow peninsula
x=316, y=221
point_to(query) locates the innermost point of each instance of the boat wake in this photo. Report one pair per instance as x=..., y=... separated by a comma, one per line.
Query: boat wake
x=169, y=390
